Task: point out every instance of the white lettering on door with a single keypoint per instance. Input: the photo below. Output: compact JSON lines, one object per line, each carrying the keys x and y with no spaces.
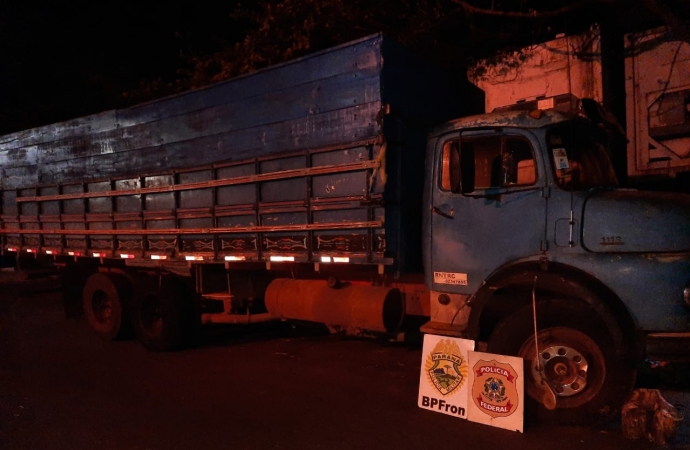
{"x":450,"y":278}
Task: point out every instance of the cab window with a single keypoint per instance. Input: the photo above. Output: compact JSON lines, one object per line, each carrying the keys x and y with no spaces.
{"x":498,"y":162}
{"x":579,"y":159}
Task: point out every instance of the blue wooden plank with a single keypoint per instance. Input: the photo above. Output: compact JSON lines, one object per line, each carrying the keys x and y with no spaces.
{"x":321,"y":97}
{"x":14,"y":177}
{"x":354,"y":56}
{"x":319,"y":130}
{"x":94,"y":123}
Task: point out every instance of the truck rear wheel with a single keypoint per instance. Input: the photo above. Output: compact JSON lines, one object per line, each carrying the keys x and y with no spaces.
{"x":576,"y":358}
{"x":161,"y":313}
{"x":105,"y":300}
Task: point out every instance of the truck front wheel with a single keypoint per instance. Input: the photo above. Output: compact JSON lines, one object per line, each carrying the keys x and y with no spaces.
{"x":576,"y":359}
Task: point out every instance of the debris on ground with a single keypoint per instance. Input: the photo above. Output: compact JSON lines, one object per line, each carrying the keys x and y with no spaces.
{"x":648,"y":415}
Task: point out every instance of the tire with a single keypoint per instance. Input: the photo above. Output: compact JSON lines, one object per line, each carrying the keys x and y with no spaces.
{"x":161,"y":313}
{"x":578,"y":358}
{"x":105,"y":299}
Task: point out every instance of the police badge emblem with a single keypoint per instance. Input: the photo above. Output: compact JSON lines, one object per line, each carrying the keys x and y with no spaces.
{"x":494,"y":390}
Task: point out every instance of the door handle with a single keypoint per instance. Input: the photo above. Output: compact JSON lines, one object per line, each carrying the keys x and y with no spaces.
{"x":442,"y":213}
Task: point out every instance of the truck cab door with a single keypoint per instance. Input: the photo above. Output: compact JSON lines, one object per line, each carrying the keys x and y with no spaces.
{"x":488,"y":206}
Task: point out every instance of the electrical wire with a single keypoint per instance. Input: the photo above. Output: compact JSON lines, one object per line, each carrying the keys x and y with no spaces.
{"x":668,"y":79}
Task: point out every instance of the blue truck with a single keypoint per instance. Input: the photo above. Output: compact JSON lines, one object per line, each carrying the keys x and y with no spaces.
{"x":352,"y":188}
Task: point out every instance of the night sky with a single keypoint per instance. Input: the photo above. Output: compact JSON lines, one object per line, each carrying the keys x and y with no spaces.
{"x":64,"y":60}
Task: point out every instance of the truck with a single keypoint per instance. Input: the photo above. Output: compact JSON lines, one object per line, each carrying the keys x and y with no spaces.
{"x":351,"y":188}
{"x":656,"y":84}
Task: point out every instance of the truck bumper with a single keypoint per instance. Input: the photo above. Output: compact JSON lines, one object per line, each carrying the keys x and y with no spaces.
{"x":668,"y":346}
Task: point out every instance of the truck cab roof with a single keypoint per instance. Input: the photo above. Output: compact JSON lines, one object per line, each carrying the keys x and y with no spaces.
{"x":517,"y":119}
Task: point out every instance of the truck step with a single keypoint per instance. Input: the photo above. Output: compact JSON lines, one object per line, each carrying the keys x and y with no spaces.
{"x":237,"y":319}
{"x":443,"y":329}
{"x":217,"y":296}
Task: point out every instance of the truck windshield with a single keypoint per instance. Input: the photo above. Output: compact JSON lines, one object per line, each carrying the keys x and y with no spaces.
{"x":579,"y":160}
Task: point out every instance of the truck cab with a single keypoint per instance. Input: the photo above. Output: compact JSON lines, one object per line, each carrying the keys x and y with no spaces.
{"x":527,"y":233}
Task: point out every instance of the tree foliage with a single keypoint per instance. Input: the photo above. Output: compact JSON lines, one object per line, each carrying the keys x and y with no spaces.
{"x":288,"y":29}
{"x":448,"y":31}
{"x":185,"y":47}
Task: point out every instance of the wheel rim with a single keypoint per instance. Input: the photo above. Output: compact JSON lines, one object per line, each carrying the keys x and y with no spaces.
{"x":564,"y":368}
{"x":102,"y":307}
{"x":569,"y":361}
{"x":151,"y":314}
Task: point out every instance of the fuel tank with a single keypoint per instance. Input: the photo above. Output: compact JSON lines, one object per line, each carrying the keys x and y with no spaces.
{"x":373,"y":308}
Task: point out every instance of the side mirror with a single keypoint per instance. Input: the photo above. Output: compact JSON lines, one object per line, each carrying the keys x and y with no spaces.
{"x":467,"y":168}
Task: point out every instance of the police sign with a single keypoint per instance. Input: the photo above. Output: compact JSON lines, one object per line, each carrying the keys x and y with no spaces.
{"x":443,"y":377}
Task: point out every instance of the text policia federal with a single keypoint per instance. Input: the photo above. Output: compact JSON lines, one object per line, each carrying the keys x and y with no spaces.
{"x":442,"y":405}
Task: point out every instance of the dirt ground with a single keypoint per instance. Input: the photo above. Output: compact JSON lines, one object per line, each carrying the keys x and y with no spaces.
{"x":271,"y":388}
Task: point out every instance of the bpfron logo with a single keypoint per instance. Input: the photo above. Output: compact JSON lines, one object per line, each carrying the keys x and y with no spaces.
{"x":446,"y":367}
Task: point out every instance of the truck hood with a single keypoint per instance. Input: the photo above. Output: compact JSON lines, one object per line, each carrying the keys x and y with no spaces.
{"x":628,"y":221}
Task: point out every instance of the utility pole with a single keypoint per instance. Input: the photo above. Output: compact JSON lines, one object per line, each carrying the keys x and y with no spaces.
{"x":613,"y":79}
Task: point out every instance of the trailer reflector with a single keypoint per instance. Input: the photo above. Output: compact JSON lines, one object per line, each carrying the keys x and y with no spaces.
{"x":11,"y":249}
{"x":194,"y":258}
{"x":282,"y":258}
{"x":126,"y":256}
{"x":159,"y":257}
{"x":337,"y":259}
{"x":49,"y":252}
{"x":98,"y":255}
{"x":235,"y":258}
{"x":30,"y":250}
{"x":74,"y":253}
